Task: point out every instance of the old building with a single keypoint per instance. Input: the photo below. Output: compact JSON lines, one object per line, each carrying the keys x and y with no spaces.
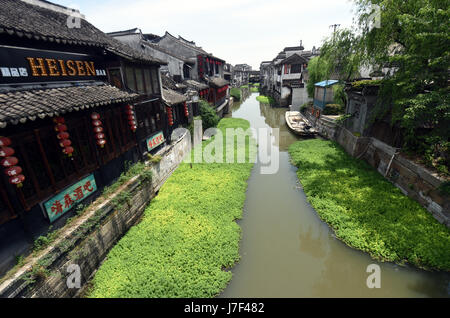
{"x":75,"y":106}
{"x":284,"y":77}
{"x":241,"y":74}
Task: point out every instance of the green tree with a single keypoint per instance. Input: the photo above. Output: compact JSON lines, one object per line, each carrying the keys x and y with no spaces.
{"x":208,"y":115}
{"x":317,"y":71}
{"x":413,"y":40}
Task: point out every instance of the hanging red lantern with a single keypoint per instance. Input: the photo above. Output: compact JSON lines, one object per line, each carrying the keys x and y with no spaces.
{"x":17,"y":180}
{"x":68,"y":151}
{"x":101,"y":142}
{"x":62,"y":135}
{"x":9,"y":161}
{"x":6,"y":152}
{"x":60,"y":127}
{"x":4,"y":141}
{"x":98,"y":129}
{"x":186,"y":110}
{"x":65,"y":143}
{"x":59,"y":120}
{"x":13,"y":171}
{"x":131,"y":117}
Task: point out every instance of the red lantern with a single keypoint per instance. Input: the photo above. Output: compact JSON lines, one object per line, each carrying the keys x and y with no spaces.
{"x":60,"y":127}
{"x":4,"y":141}
{"x":62,"y":135}
{"x":129,"y":107}
{"x":95,"y":116}
{"x":59,"y":120}
{"x":96,"y":123}
{"x":6,"y":152}
{"x":68,"y":151}
{"x":17,"y":180}
{"x":98,"y":129}
{"x":101,"y":142}
{"x":13,"y":171}
{"x":65,"y":143}
{"x":9,"y":161}
{"x":100,"y":136}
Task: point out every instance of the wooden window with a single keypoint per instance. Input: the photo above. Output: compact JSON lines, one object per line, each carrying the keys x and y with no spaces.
{"x":115,"y":77}
{"x":148,"y":82}
{"x":139,"y":80}
{"x":296,"y":68}
{"x":155,"y":80}
{"x":131,"y":82}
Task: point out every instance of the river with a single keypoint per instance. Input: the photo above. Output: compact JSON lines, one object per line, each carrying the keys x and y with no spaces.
{"x":287,"y":251}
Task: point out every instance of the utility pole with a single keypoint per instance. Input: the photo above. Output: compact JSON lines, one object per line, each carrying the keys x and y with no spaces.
{"x":334,"y":26}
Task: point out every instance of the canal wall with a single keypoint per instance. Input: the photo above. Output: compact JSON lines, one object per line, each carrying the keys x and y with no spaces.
{"x":83,"y":245}
{"x":412,"y":179}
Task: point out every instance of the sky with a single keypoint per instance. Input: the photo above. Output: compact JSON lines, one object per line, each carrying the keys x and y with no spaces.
{"x":237,"y":31}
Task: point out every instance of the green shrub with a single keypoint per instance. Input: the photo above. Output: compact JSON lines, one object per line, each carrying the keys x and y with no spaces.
{"x":188,"y":234}
{"x":265,"y":99}
{"x":208,"y":115}
{"x":236,"y":93}
{"x":333,"y":109}
{"x":365,"y":210}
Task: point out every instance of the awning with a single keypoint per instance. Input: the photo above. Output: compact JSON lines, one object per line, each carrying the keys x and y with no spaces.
{"x":171,"y":97}
{"x":20,"y":106}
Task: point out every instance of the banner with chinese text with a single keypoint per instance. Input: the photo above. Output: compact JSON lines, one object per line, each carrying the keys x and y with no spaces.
{"x":155,"y":140}
{"x":69,"y":197}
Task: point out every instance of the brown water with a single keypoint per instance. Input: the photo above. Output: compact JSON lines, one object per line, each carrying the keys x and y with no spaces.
{"x":287,"y":251}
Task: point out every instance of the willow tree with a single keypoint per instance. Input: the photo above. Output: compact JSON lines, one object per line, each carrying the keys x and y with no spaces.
{"x":412,"y":39}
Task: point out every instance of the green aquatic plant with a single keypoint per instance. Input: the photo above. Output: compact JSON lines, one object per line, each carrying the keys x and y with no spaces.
{"x":188,"y":234}
{"x":365,"y":210}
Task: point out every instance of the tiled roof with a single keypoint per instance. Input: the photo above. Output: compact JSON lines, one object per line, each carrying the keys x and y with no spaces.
{"x":195,"y":85}
{"x":20,"y":106}
{"x":168,"y":82}
{"x":171,"y":97}
{"x":217,"y":82}
{"x":29,"y":21}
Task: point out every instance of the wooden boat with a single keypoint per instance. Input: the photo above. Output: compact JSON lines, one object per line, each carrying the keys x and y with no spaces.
{"x":299,"y":124}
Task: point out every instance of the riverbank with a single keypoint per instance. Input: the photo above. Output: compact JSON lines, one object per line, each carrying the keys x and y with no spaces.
{"x":365,"y":210}
{"x":187,"y":237}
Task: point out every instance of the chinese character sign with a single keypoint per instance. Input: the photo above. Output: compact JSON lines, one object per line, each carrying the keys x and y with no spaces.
{"x":155,"y":141}
{"x":71,"y":196}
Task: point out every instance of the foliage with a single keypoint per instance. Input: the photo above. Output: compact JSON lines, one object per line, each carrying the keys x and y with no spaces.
{"x":254,"y":89}
{"x":244,"y":86}
{"x":342,"y":55}
{"x":236,"y":93}
{"x":187,"y":236}
{"x":365,"y":210}
{"x":317,"y":72}
{"x":333,"y":109}
{"x":208,"y":115}
{"x":154,"y":159}
{"x":305,"y":106}
{"x":412,"y":46}
{"x":364,"y":83}
{"x":265,"y":99}
{"x":339,"y":95}
{"x":43,"y":241}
